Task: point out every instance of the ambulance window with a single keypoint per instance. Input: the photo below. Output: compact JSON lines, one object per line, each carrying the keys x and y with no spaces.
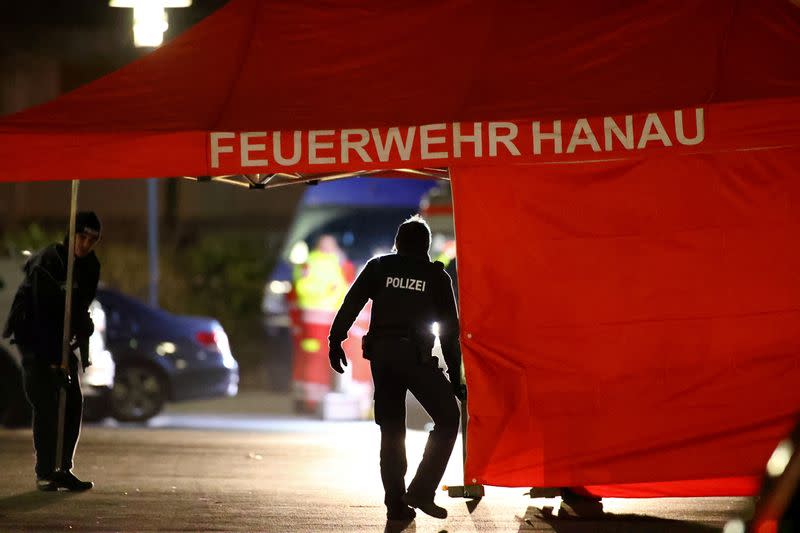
{"x":364,"y":232}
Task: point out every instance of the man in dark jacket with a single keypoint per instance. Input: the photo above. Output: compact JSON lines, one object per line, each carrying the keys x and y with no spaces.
{"x":409,"y":294}
{"x":37,"y":323}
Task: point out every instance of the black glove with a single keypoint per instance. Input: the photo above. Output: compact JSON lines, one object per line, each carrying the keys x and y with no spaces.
{"x":460,"y":391}
{"x":83,"y":347}
{"x":83,"y":351}
{"x":337,"y":357}
{"x":59,"y":376}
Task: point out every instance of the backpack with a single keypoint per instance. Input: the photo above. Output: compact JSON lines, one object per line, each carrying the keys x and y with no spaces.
{"x":18,"y":322}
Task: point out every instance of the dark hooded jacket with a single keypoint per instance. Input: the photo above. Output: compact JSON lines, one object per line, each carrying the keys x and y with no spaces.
{"x":409,"y":293}
{"x":36,"y":319}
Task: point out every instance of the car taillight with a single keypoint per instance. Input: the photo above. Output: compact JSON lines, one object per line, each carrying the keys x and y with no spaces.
{"x":206,"y":339}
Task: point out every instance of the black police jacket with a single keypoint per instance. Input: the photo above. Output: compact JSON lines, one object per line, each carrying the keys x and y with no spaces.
{"x":37,"y":318}
{"x":409,"y":293}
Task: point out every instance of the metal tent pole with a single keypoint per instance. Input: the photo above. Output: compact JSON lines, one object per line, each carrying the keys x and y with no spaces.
{"x":62,"y":393}
{"x":471,"y":489}
{"x":152,"y":241}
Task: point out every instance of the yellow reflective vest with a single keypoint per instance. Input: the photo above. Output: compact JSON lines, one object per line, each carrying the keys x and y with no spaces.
{"x":320,"y":282}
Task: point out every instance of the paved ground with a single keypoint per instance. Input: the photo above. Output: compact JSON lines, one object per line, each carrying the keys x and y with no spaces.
{"x":250,"y":468}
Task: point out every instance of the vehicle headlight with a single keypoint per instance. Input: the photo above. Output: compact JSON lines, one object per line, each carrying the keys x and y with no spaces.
{"x":101,"y":372}
{"x":299,"y":253}
{"x":280,"y":287}
{"x":224,"y":347}
{"x":97,"y":341}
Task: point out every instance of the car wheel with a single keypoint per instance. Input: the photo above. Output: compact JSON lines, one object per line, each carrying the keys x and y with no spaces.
{"x":139,"y":394}
{"x":95,"y":408}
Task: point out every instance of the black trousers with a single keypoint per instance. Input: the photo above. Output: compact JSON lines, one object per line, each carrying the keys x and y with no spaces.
{"x":42,"y":391}
{"x":396,"y":368}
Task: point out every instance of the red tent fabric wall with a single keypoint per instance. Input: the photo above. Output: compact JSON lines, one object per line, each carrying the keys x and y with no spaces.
{"x":630,"y":321}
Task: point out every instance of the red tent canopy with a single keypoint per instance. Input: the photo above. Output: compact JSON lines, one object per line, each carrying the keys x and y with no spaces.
{"x":629,"y":319}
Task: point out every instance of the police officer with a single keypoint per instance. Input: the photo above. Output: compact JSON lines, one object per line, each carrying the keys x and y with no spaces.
{"x":36,"y":322}
{"x":409,"y":294}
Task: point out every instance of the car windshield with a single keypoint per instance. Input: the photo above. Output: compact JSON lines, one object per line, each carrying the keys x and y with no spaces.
{"x":112,"y":298}
{"x":361,"y":232}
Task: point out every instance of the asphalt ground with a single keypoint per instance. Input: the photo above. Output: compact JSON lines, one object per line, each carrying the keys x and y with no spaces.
{"x":247,"y":465}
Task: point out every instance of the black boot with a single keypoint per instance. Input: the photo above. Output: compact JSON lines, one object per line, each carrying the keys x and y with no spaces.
{"x":67,"y":480}
{"x":426,"y":506}
{"x":580,"y":505}
{"x":570,"y":495}
{"x":46,"y":484}
{"x":403,"y":513}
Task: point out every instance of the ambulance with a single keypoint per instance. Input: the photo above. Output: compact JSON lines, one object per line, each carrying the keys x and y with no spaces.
{"x":361,"y":215}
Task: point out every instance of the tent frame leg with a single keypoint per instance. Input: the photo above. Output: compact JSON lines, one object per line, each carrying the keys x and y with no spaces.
{"x":474,"y":491}
{"x":65,"y":344}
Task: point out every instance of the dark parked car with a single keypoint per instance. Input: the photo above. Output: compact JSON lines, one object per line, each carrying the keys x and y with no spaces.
{"x":163,"y":357}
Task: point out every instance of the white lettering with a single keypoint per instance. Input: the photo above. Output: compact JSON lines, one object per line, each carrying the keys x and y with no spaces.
{"x":582,"y":129}
{"x":246,"y":148}
{"x":393,"y":138}
{"x":652,"y":121}
{"x":699,"y":124}
{"x":314,"y":145}
{"x":358,"y":145}
{"x":397,"y":145}
{"x":609,"y":126}
{"x":405,"y":283}
{"x":475,"y":138}
{"x":216,"y":149}
{"x":506,"y":139}
{"x":297,"y":152}
{"x":426,"y":140}
{"x":538,"y":137}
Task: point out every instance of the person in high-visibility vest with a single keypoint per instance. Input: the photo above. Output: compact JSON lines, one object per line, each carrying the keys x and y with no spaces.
{"x":320,"y":284}
{"x":320,"y":281}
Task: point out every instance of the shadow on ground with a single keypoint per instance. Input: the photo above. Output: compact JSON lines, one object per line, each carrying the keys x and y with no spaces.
{"x":400,"y":526}
{"x":30,"y":501}
{"x":535,"y":517}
